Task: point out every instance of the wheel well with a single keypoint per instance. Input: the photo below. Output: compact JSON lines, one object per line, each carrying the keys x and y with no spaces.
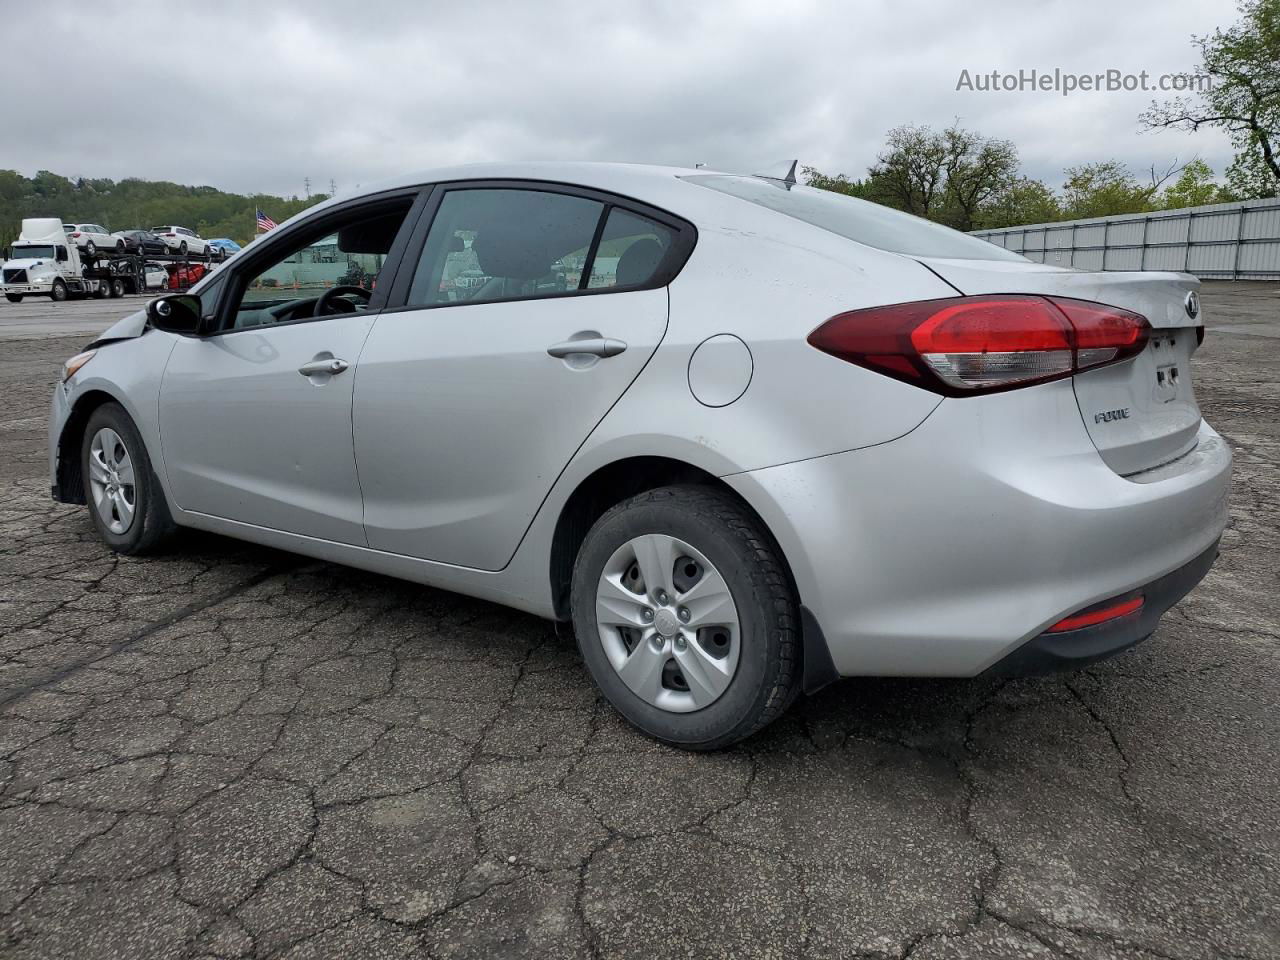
{"x":70,"y":480}
{"x":611,"y":485}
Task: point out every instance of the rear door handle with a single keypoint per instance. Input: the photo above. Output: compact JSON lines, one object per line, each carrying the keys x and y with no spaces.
{"x":331,"y":366}
{"x":596,"y":346}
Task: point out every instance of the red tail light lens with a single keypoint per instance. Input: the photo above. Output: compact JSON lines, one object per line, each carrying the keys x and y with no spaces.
{"x":966,"y":345}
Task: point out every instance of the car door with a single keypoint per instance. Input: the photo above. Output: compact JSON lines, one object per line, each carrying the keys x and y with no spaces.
{"x":528,"y":314}
{"x":255,"y":418}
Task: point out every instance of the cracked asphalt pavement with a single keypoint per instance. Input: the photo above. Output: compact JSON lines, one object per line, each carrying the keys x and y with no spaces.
{"x":232,"y":752}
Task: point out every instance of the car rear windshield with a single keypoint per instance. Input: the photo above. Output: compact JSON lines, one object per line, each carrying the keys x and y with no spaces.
{"x":854,"y":219}
{"x":162,"y":229}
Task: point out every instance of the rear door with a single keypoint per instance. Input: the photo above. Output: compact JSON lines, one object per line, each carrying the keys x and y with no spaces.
{"x":1142,"y":412}
{"x":530,"y":312}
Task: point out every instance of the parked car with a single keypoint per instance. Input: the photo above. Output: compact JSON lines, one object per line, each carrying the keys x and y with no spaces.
{"x":142,"y":242}
{"x":183,"y":275}
{"x":92,"y":237}
{"x":222,"y":247}
{"x":788,"y":436}
{"x":181,"y":240}
{"x":157,"y":277}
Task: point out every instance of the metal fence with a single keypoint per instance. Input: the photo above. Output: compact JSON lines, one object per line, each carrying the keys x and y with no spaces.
{"x":1221,"y":241}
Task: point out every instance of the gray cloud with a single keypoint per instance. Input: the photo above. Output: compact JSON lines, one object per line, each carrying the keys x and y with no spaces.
{"x":256,"y":96}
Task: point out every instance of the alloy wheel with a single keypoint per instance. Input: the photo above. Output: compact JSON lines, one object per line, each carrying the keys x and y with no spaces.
{"x":111,"y":480}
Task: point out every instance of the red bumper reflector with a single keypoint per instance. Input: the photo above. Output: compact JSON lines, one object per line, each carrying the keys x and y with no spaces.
{"x":1102,"y":615}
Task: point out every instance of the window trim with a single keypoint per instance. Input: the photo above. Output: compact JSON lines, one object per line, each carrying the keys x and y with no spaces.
{"x":684,"y":233}
{"x":218,"y":316}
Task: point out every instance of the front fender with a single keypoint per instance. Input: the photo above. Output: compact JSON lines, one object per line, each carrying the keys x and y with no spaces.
{"x":127,"y":372}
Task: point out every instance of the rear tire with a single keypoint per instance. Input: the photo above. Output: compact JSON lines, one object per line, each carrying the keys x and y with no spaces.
{"x":765,"y":676}
{"x":59,"y":291}
{"x":149,"y":525}
{"x":182,"y":249}
{"x":117,"y":289}
{"x":120,"y":246}
{"x":90,"y":248}
{"x":13,"y":297}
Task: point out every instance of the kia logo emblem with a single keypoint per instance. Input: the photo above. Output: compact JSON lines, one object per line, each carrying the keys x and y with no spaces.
{"x":1192,"y":303}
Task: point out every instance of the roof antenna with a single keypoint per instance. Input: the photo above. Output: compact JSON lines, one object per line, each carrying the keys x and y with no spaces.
{"x":790,"y":178}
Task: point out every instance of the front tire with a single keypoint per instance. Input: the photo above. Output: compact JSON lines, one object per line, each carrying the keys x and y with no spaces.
{"x":686,"y":618}
{"x":59,"y":291}
{"x":126,"y":504}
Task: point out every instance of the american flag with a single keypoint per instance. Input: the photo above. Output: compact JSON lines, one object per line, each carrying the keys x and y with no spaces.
{"x":265,"y":222}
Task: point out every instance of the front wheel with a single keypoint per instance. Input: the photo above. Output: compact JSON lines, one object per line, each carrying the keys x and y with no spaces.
{"x":126,"y":504}
{"x":59,"y":291}
{"x":686,"y":618}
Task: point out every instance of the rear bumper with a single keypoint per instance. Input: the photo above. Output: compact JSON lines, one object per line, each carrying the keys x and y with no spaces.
{"x":943,"y":552}
{"x":1072,"y":649}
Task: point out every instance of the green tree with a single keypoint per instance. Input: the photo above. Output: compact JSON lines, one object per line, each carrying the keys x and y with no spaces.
{"x":1107,"y":188}
{"x":1194,"y":188}
{"x":1243,"y":97}
{"x":910,"y":171}
{"x":136,"y":203}
{"x":836,"y":184}
{"x":947,"y":175}
{"x":1249,"y":178}
{"x":977,"y":170}
{"x":1021,"y":202}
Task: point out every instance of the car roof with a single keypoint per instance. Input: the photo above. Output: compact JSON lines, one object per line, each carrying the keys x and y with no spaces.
{"x":654,"y":184}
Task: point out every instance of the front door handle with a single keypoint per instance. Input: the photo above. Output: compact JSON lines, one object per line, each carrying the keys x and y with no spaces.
{"x":596,"y":346}
{"x":331,"y":366}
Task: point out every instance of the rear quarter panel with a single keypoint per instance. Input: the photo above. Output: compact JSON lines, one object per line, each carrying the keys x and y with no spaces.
{"x":770,"y":280}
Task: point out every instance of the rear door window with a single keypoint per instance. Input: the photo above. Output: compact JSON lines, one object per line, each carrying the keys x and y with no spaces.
{"x":630,"y":251}
{"x":504,"y":244}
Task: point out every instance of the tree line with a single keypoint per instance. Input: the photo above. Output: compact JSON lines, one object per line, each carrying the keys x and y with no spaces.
{"x":971,"y":182}
{"x":133,"y":203}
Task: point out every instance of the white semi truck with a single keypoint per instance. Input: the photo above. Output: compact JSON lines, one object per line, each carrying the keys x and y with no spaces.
{"x":43,"y":263}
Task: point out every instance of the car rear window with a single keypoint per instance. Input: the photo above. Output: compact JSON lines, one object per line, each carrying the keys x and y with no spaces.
{"x":854,"y":219}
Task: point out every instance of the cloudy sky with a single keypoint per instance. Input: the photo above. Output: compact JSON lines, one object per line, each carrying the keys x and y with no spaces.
{"x":257,"y":96}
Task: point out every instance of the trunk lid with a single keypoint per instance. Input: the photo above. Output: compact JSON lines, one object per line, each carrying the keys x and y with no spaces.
{"x":1141,"y":412}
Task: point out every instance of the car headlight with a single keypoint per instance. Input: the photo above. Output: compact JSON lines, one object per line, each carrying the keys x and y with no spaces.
{"x":75,"y":363}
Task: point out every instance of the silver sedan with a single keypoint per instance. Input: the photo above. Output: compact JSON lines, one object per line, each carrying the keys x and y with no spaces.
{"x":747,"y":436}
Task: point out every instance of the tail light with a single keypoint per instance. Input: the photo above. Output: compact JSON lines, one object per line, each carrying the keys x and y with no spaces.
{"x":966,"y":345}
{"x":74,"y":235}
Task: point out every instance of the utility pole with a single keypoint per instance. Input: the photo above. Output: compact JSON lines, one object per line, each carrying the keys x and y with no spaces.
{"x":306,"y":185}
{"x":333,"y":187}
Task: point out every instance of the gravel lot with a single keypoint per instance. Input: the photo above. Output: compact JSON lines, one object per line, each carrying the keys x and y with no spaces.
{"x":232,"y":752}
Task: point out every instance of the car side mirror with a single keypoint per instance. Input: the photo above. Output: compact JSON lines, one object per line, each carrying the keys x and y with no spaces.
{"x":62,"y":254}
{"x":179,"y":313}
